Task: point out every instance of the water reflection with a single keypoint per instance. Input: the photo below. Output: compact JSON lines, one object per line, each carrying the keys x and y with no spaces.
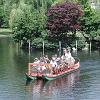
{"x":81,"y":85}
{"x":39,"y":89}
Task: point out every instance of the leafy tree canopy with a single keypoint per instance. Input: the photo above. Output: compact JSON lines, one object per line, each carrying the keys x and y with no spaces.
{"x":63,"y":18}
{"x":27,"y":23}
{"x":90,"y":22}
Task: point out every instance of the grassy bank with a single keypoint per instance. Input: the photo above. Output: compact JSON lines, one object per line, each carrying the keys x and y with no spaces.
{"x":5,"y":32}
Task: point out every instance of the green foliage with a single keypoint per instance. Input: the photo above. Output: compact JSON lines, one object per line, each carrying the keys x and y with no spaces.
{"x":27,"y":23}
{"x":63,"y":1}
{"x":86,"y":20}
{"x":96,"y":21}
{"x":7,"y":6}
{"x":6,"y":12}
{"x":21,"y":22}
{"x":83,"y":2}
{"x":27,"y":19}
{"x":1,"y":16}
{"x":81,"y":43}
{"x":90,"y":22}
{"x":38,"y":43}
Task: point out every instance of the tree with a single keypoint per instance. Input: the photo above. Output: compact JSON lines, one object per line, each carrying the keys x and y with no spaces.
{"x":26,"y":23}
{"x":5,"y":8}
{"x":90,"y":21}
{"x":21,"y":22}
{"x":95,"y":32}
{"x":63,"y":18}
{"x":1,"y":16}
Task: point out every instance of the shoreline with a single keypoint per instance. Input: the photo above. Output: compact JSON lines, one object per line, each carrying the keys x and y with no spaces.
{"x":1,"y":35}
{"x":5,"y":32}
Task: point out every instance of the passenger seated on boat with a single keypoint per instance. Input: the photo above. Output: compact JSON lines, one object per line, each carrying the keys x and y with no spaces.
{"x":42,"y":61}
{"x":53,"y":63}
{"x":58,"y":60}
{"x":68,"y":57}
{"x":36,"y":68}
{"x":65,"y":66}
{"x":46,"y":58}
{"x":67,"y":53}
{"x":63,"y":59}
{"x":55,"y":56}
{"x":43,"y":66}
{"x":36,"y":61}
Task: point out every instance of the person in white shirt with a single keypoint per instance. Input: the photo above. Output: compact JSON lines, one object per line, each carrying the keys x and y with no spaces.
{"x":36,"y":61}
{"x":53,"y":62}
{"x":68,"y":57}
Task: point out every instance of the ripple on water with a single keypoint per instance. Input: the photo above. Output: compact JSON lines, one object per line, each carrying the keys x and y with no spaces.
{"x":81,"y":85}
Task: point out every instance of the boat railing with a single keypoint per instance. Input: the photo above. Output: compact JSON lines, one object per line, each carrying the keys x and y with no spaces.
{"x":38,"y":67}
{"x":47,"y":67}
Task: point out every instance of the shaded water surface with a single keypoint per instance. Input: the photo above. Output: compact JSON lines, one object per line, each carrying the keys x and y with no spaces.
{"x":84,"y":84}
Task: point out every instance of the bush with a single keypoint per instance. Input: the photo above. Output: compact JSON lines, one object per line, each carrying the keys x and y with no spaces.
{"x":38,"y":43}
{"x":27,"y":24}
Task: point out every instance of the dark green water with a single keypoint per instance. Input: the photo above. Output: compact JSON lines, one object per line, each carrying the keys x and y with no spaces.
{"x":83,"y":84}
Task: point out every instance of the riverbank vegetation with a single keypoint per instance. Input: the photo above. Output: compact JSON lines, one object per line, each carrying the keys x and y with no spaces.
{"x":51,"y":21}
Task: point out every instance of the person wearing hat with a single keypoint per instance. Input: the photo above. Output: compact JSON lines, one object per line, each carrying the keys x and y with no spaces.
{"x":54,"y":64}
{"x":68,"y":57}
{"x":36,"y":61}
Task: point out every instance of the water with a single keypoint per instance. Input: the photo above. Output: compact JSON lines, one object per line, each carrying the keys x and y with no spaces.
{"x":83,"y":84}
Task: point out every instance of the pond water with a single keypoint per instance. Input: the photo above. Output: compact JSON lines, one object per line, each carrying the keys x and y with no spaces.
{"x":83,"y":84}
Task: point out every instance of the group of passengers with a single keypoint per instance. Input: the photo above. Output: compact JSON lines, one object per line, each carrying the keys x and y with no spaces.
{"x":58,"y":63}
{"x":42,"y":60}
{"x":64,"y":62}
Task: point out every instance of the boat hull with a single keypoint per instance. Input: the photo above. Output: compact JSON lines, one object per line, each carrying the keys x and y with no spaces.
{"x":49,"y":78}
{"x":29,"y":77}
{"x":52,"y":76}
